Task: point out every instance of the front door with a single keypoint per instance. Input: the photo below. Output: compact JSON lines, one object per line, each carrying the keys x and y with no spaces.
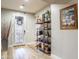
{"x":19,"y":29}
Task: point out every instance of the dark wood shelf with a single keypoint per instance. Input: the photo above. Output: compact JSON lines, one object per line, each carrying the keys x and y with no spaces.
{"x":39,"y":23}
{"x":44,"y":43}
{"x":44,"y":51}
{"x":47,"y":29}
{"x":47,"y":21}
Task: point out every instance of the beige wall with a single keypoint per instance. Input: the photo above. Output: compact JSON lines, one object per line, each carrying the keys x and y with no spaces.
{"x":64,"y":42}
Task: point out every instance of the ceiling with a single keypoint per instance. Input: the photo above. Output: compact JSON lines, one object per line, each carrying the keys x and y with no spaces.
{"x":32,"y":6}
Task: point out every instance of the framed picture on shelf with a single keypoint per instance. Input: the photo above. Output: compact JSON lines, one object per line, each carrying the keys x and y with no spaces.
{"x":49,"y":33}
{"x":49,"y":40}
{"x":45,"y":25}
{"x":46,"y":17}
{"x":49,"y":25}
{"x":69,"y":18}
{"x":45,"y":32}
{"x":39,"y":20}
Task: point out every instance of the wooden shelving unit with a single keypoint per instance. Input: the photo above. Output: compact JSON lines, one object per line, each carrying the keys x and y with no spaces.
{"x":44,"y":33}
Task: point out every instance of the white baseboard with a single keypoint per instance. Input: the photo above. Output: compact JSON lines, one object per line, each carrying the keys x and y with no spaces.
{"x":55,"y":57}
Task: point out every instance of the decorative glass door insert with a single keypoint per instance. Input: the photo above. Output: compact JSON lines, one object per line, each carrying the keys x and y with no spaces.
{"x":19,"y":31}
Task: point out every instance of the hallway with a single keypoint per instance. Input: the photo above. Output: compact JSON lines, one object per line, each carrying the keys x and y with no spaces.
{"x":39,"y":29}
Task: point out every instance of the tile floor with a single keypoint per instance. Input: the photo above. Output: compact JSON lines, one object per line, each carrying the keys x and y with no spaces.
{"x":36,"y":54}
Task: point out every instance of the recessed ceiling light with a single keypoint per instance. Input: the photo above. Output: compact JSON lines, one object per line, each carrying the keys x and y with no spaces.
{"x":26,"y":0}
{"x":22,"y":6}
